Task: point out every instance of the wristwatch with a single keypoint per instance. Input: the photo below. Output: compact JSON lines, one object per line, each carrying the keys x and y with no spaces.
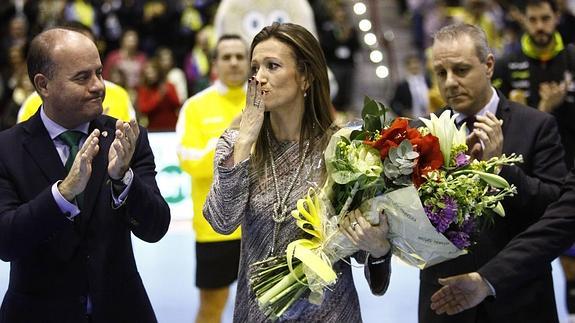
{"x":125,"y":180}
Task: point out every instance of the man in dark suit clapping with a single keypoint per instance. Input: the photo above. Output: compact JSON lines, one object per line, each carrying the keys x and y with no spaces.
{"x":74,"y":186}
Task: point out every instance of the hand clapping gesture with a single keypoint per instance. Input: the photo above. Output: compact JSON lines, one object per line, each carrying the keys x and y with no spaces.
{"x":487,"y":131}
{"x":81,"y":169}
{"x":552,"y":95}
{"x":122,"y":148}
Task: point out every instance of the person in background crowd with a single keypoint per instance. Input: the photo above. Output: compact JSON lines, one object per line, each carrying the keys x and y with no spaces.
{"x":463,"y":65}
{"x":17,"y":35}
{"x":108,"y":15}
{"x":264,"y":165}
{"x":542,"y":73}
{"x":83,"y":12}
{"x":203,"y":118}
{"x":74,"y":186}
{"x":340,"y":42}
{"x":127,"y":58}
{"x":157,"y":99}
{"x":197,"y":64}
{"x":174,"y":74}
{"x":411,"y":98}
{"x":18,"y":87}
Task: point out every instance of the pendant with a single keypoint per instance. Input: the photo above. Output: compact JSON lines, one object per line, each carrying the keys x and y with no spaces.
{"x":279,"y":211}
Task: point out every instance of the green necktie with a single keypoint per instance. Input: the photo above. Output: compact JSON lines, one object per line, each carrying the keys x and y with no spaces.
{"x":72,"y":139}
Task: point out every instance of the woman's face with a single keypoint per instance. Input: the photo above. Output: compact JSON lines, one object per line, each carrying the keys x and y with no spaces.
{"x":274,"y":66}
{"x":130,"y":40}
{"x":151,"y":73}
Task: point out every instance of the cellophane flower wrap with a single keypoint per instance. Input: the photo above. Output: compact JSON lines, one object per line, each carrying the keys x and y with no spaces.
{"x":434,"y":196}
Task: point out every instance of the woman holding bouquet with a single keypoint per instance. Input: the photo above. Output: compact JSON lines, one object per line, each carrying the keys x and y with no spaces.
{"x":271,"y":160}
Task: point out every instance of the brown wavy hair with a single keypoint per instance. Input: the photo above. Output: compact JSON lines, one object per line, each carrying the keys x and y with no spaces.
{"x":310,"y":60}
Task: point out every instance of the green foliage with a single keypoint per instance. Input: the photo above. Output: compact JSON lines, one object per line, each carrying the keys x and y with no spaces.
{"x":373,"y":114}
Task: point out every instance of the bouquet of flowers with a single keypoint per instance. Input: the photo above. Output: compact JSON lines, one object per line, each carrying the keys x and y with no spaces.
{"x":434,"y":196}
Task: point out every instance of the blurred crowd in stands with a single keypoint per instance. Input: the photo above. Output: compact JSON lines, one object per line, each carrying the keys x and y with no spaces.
{"x":160,"y":51}
{"x":502,"y":20}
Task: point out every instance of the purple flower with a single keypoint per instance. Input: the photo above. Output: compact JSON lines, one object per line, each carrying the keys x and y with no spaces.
{"x":461,"y":159}
{"x":460,"y":235}
{"x":460,"y":239}
{"x":468,"y":226}
{"x":442,"y":218}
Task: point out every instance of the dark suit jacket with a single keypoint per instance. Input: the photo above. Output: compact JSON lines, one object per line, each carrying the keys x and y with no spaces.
{"x":531,"y":251}
{"x":54,"y":262}
{"x":534,"y":135}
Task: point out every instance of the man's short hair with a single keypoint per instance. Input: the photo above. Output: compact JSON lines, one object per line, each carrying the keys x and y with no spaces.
{"x":227,"y":37}
{"x":38,"y":59}
{"x":456,"y":31}
{"x":537,"y":3}
{"x":79,"y":27}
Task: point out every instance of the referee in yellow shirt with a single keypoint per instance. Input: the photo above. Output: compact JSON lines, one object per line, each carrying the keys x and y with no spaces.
{"x":203,"y":118}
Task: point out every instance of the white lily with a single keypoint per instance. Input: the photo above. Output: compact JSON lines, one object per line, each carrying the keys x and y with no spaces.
{"x":446,"y":131}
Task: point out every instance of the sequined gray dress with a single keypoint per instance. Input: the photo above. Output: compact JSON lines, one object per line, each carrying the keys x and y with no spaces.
{"x":238,"y":197}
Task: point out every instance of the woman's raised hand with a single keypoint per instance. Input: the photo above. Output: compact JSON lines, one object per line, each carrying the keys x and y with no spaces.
{"x":251,"y":122}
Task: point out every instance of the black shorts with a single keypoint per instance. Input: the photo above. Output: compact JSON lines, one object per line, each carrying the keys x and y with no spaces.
{"x":217,"y":263}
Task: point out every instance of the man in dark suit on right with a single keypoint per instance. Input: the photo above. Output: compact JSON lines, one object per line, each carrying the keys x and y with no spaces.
{"x":463,"y":65}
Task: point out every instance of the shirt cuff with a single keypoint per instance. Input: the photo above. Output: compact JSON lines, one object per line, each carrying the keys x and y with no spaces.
{"x":70,"y":209}
{"x":491,"y":288}
{"x":119,"y":200}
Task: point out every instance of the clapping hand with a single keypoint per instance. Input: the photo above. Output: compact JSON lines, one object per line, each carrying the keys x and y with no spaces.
{"x":489,"y":132}
{"x":459,"y":293}
{"x":81,"y":170}
{"x":122,"y":149}
{"x":371,"y":238}
{"x":552,"y":95}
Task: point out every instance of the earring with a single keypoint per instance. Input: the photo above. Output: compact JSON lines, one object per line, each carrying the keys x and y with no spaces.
{"x":304,"y":94}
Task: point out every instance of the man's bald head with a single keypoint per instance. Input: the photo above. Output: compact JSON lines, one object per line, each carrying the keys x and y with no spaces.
{"x":39,"y":59}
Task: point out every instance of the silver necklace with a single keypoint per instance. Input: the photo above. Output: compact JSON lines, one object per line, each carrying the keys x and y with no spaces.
{"x":280,"y":211}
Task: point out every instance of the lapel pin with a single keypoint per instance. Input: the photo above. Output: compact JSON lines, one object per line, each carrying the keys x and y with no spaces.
{"x":105,"y":134}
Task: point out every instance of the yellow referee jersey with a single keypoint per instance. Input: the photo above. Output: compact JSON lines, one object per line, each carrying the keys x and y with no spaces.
{"x":203,"y":118}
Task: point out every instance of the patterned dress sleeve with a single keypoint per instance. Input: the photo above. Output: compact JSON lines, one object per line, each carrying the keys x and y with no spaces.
{"x":228,"y":198}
